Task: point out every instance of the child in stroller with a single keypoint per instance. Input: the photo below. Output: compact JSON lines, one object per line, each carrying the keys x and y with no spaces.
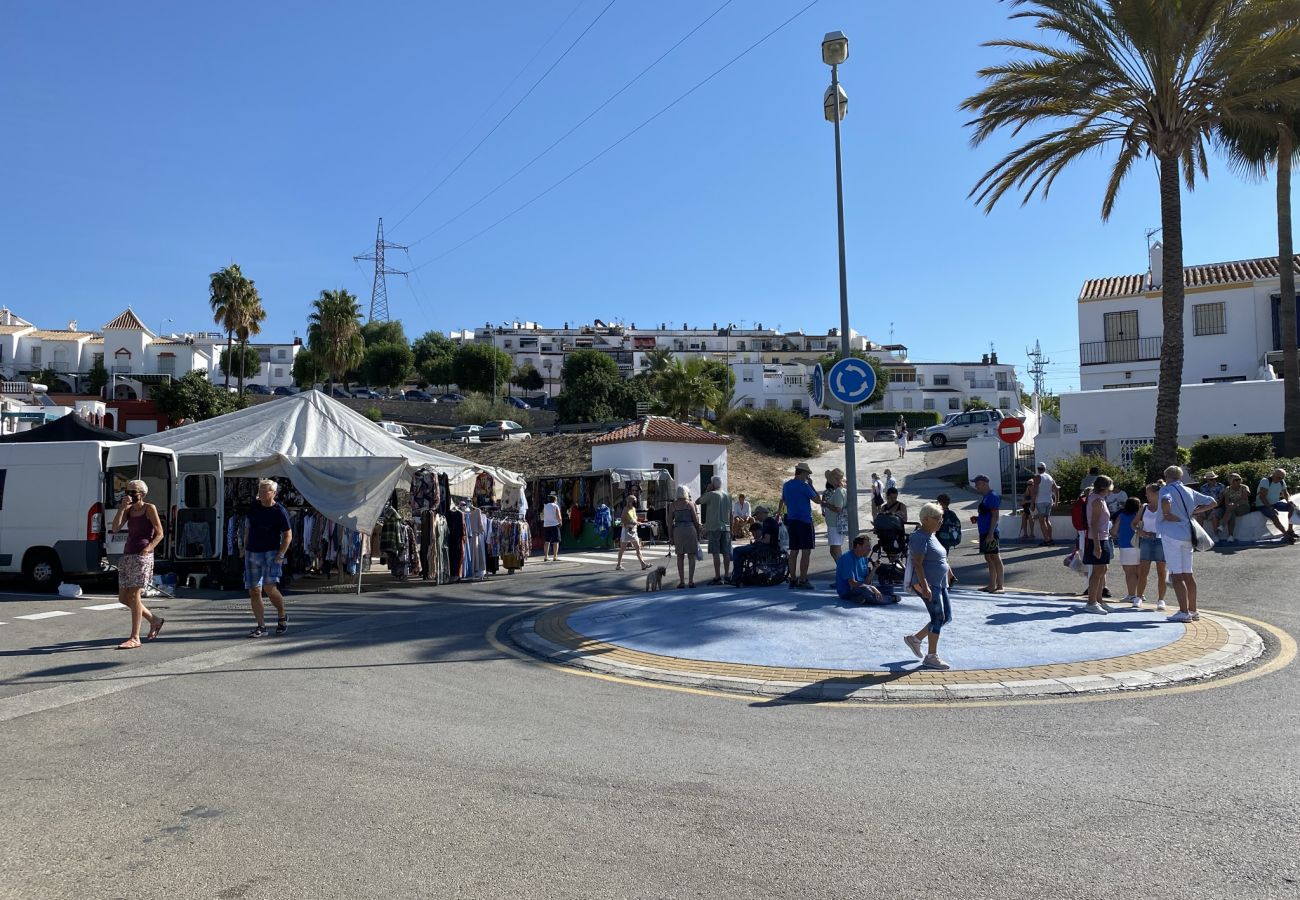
{"x":888,"y":557}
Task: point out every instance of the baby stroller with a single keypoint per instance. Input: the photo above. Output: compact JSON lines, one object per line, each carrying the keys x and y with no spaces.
{"x":763,"y":567}
{"x":890,"y":553}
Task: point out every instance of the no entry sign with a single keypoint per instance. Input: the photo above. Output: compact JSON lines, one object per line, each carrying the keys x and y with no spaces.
{"x":1011,"y":430}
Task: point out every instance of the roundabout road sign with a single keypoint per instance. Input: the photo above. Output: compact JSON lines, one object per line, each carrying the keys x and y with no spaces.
{"x":818,"y":385}
{"x":852,"y":381}
{"x":1011,"y":430}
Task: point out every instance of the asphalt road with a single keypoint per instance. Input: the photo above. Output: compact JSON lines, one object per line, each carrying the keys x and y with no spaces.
{"x":387,"y":748}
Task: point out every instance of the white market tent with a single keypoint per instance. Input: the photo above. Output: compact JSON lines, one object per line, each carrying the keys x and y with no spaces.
{"x":342,"y":463}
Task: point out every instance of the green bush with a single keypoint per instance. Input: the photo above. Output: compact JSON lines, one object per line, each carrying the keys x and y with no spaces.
{"x":1142,"y":458}
{"x":1253,"y":471}
{"x":373,"y":414}
{"x":477,"y":409}
{"x":784,"y":432}
{"x":1069,"y":472}
{"x":1225,"y":449}
{"x":734,"y":421}
{"x":914,"y":419}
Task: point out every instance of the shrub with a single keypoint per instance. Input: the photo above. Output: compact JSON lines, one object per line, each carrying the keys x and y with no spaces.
{"x":1069,"y":472}
{"x":477,"y":409}
{"x":734,"y":421}
{"x":1253,"y":471}
{"x":373,"y":414}
{"x":1225,"y":449}
{"x":782,"y":431}
{"x":1142,"y":459}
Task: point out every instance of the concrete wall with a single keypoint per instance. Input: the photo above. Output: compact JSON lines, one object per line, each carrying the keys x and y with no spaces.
{"x":686,"y":459}
{"x":429,"y":413}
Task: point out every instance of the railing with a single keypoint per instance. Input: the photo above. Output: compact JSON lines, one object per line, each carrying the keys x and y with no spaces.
{"x":1094,"y":353}
{"x":981,"y":383}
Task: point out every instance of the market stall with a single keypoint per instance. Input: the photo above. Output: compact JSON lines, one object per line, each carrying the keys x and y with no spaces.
{"x":590,"y":503}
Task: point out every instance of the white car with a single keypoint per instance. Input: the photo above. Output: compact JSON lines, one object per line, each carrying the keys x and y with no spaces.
{"x":857,"y":437}
{"x":503,"y":430}
{"x":395,"y":429}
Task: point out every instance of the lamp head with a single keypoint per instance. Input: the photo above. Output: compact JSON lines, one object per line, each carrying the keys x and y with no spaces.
{"x":835,"y":48}
{"x":828,"y":103}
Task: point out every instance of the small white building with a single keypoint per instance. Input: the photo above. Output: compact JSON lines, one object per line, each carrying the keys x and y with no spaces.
{"x":690,"y":454}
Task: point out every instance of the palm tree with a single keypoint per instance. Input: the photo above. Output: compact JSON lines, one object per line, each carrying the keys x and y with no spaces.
{"x":228,"y":291}
{"x":334,"y":332}
{"x":248,"y":321}
{"x":657,"y":361}
{"x":1252,"y":148}
{"x":1154,"y":77}
{"x":685,"y":388}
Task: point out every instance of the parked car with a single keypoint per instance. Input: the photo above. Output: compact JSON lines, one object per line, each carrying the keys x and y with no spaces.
{"x":884,"y":434}
{"x":466,"y":434}
{"x":366,"y":394}
{"x":285,"y":391}
{"x":961,"y":427}
{"x":395,"y":429}
{"x":453,"y":397}
{"x":857,"y":437}
{"x":421,"y":396}
{"x":503,"y":430}
{"x":260,"y":390}
{"x":516,"y":403}
{"x":340,"y":393}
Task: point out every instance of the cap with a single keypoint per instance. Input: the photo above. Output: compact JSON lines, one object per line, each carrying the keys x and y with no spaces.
{"x":803,"y":467}
{"x":761,"y":511}
{"x":978,"y":478}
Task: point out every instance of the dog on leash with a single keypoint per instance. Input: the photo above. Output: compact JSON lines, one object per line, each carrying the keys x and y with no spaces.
{"x":654,"y":579}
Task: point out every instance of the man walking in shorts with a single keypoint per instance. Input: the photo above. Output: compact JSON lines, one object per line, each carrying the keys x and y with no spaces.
{"x":715,"y":505}
{"x":797,"y":496}
{"x":267,"y":536}
{"x":1045,"y":494}
{"x":986,"y":522}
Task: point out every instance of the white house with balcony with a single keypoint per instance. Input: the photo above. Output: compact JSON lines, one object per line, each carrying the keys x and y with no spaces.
{"x":942,"y":387}
{"x":1232,"y":338}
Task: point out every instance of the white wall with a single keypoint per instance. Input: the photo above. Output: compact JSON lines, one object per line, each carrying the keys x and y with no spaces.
{"x":686,"y":459}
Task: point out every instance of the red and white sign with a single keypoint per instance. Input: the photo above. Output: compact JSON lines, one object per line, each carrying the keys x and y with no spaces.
{"x":1011,"y":430}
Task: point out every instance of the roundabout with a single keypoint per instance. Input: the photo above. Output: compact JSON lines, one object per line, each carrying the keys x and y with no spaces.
{"x":810,"y":645}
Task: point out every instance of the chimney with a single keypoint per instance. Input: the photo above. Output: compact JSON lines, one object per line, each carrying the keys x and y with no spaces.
{"x":297,"y":341}
{"x":1155,"y":275}
{"x":984,"y":360}
{"x":6,"y":317}
{"x":993,"y":358}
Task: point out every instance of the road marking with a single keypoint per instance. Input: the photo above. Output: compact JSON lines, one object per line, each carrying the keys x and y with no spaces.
{"x":46,"y":615}
{"x":586,"y":558}
{"x":106,"y":606}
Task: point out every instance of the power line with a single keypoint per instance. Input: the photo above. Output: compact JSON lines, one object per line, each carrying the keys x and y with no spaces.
{"x":379,"y":293}
{"x":584,"y":121}
{"x":509,"y":112}
{"x":629,"y":134}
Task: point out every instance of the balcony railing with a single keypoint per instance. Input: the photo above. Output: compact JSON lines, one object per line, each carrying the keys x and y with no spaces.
{"x":987,"y":384}
{"x":1093,"y":353}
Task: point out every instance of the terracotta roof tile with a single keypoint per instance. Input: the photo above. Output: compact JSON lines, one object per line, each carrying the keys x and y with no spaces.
{"x":46,"y":335}
{"x":1236,"y":272}
{"x":127,"y":319}
{"x":661,"y":428}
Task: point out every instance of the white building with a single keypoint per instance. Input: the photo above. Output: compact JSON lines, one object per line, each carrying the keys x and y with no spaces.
{"x":276,"y":369}
{"x":691,"y":455}
{"x":1232,"y":334}
{"x":942,"y":387}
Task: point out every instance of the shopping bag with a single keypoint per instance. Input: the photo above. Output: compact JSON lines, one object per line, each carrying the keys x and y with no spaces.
{"x":1201,"y":539}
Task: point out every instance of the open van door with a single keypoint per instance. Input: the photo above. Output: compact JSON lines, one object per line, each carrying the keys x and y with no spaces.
{"x":200,"y":513}
{"x":121,"y":464}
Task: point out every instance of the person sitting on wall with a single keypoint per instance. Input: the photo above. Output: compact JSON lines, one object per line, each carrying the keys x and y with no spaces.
{"x":1274,"y":498}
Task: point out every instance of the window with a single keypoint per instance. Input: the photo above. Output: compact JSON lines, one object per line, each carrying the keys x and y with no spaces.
{"x":508,"y":344}
{"x":748,"y":376}
{"x":1209,"y":318}
{"x":749,"y":403}
{"x":954,"y":403}
{"x":1121,"y":336}
{"x":907,"y":402}
{"x":920,"y":380}
{"x":166,"y":364}
{"x":770,"y":403}
{"x":927,"y":403}
{"x":1223,"y":379}
{"x":796,"y":403}
{"x":200,"y":491}
{"x":908,"y":377}
{"x":1127,"y":384}
{"x":281,"y":353}
{"x":941,"y":381}
{"x":1004,"y":403}
{"x":1093,"y":448}
{"x":97,"y":359}
{"x":279,"y":372}
{"x":968,"y":375}
{"x":36,"y":356}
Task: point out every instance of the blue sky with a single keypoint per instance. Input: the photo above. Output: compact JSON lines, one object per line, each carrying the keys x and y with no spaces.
{"x":149,"y":144}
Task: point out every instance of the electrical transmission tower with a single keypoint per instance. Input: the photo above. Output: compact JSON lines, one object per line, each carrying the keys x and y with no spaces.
{"x":379,"y":293}
{"x":1037,"y":367}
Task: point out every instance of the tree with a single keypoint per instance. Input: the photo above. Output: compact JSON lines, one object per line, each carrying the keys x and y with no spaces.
{"x":306,"y":369}
{"x":686,"y":388}
{"x":1154,"y":78}
{"x":976,"y":403}
{"x":334,"y":332}
{"x":387,"y":364}
{"x":439,"y":370}
{"x":248,"y":322}
{"x":391,"y":332}
{"x":97,"y":377}
{"x":528,"y":378}
{"x":430,"y":345}
{"x":589,"y":398}
{"x":240,"y":362}
{"x":1252,"y":148}
{"x":580,"y":362}
{"x":657,"y":361}
{"x":481,"y":367}
{"x":882,"y":376}
{"x":192,"y":396}
{"x":228,"y":294}
{"x":46,"y":376}
{"x":724,"y":379}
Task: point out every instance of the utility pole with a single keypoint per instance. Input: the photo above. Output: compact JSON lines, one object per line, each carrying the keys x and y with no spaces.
{"x":379,"y":293}
{"x":1037,"y":370}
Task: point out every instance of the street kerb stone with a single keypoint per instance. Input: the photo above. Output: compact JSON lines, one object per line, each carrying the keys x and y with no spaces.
{"x":1207,"y":648}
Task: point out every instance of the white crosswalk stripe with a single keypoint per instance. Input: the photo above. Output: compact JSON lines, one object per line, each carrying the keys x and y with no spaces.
{"x":603,"y":559}
{"x":105,"y":606}
{"x":45,"y":615}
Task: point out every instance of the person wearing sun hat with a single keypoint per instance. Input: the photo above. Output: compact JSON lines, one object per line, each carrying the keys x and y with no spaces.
{"x":797,"y":498}
{"x":835,"y":502}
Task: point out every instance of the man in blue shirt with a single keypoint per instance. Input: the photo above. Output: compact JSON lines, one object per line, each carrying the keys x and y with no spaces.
{"x":986,"y":522}
{"x":853,"y":573}
{"x":797,"y":496}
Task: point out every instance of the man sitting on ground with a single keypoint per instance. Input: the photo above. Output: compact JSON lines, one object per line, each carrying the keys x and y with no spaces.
{"x":1275,"y":498}
{"x":853,"y":574}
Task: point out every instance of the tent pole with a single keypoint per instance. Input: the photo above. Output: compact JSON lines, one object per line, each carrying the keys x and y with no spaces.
{"x":360,"y":569}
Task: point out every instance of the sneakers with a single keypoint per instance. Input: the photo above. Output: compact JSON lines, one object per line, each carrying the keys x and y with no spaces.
{"x":1196,"y":617}
{"x":914,"y":644}
{"x":1160,"y":604}
{"x":1179,"y":617}
{"x":1105,"y":592}
{"x":259,"y":631}
{"x":1096,"y":609}
{"x":933,"y":662}
{"x":1136,"y":601}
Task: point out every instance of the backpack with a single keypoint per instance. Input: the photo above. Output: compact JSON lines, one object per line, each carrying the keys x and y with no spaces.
{"x":950,"y":531}
{"x":1079,"y":514}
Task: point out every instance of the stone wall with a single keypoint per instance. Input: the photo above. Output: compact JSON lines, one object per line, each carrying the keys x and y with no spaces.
{"x":443,"y":414}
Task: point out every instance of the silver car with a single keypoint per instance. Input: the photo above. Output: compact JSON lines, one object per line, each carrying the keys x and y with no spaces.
{"x":961,"y":427}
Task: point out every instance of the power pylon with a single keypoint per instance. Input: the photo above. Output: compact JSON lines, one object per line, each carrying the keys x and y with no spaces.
{"x":1037,"y":367}
{"x":379,"y":293}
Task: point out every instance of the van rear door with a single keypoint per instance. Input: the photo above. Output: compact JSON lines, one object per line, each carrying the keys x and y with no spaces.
{"x":200,"y":512}
{"x":121,"y":464}
{"x":158,"y":472}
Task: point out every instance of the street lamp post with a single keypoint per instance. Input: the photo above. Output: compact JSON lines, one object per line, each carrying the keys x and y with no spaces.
{"x":835,"y":50}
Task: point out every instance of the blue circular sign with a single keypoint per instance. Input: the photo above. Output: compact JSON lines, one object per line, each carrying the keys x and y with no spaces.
{"x":852,"y":381}
{"x":818,"y":385}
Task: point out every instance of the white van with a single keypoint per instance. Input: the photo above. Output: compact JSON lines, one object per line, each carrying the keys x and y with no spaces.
{"x":58,"y":499}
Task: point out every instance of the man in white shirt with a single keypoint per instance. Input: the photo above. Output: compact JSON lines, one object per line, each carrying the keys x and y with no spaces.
{"x":1046,"y":493}
{"x":550,"y":530}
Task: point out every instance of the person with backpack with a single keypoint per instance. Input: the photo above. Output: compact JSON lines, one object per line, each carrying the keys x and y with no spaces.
{"x":949,"y":533}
